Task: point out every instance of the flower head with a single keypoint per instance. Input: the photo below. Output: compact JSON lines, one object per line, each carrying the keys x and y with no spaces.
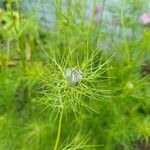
{"x":74,"y":75}
{"x":129,"y":85}
{"x":98,"y":9}
{"x":145,"y":18}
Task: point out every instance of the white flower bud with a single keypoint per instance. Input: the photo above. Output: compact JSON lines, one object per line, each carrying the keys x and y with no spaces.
{"x":129,"y":85}
{"x":74,"y":75}
{"x":37,"y":129}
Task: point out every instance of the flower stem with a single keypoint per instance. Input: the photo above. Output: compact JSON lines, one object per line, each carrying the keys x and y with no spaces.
{"x":59,"y":130}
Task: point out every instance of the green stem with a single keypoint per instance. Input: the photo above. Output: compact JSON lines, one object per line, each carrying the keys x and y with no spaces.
{"x":59,"y":130}
{"x":100,"y":22}
{"x":92,"y":16}
{"x":124,"y":34}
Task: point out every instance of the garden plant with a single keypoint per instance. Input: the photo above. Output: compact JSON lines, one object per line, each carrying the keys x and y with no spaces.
{"x":78,"y":82}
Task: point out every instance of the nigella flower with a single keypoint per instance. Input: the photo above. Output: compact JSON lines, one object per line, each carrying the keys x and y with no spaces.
{"x":74,"y":76}
{"x":98,"y":10}
{"x":37,"y":129}
{"x":145,"y":18}
{"x":129,"y":85}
